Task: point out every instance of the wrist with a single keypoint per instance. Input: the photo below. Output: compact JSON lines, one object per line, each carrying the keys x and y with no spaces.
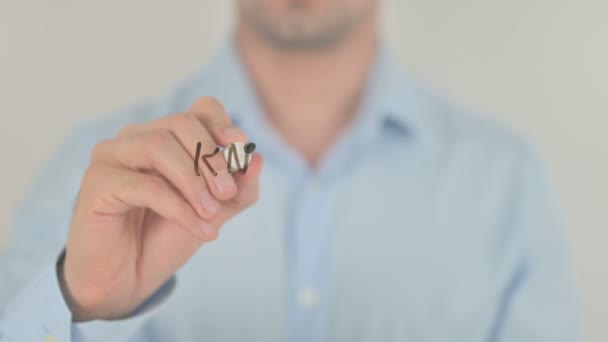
{"x":59,"y":268}
{"x":79,"y":311}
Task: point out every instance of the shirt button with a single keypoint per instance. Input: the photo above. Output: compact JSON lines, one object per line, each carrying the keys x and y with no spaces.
{"x":308,"y":297}
{"x":49,"y":338}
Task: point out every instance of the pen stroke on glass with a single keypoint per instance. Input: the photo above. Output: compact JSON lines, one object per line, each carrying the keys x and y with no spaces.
{"x":237,"y":156}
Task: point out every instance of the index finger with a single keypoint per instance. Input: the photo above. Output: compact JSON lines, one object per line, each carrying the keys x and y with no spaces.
{"x":212,"y":114}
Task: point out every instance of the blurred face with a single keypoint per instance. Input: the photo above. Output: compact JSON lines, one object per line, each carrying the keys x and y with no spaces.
{"x":305,"y":24}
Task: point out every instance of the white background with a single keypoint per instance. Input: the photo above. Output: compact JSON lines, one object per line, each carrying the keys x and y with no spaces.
{"x":540,"y":65}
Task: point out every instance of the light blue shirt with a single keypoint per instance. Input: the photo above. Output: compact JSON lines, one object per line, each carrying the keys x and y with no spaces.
{"x":424,"y":222}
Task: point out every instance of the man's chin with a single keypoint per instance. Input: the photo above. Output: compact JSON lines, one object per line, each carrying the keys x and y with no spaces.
{"x":303,"y":32}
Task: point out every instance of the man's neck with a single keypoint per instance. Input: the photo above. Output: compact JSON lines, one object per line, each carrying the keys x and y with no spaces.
{"x":310,"y":97}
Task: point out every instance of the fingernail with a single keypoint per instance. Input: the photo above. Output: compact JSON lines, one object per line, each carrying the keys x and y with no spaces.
{"x":209,"y":203}
{"x":224,"y":182}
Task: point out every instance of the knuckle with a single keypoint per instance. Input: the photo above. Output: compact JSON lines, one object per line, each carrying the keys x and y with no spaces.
{"x":157,"y":139}
{"x":97,"y":152}
{"x":95,"y":178}
{"x":211,"y":102}
{"x":94,"y":170}
{"x":180,"y":120}
{"x":91,"y":174}
{"x":127,"y":182}
{"x":151,"y":184}
{"x":211,"y":235}
{"x":127,"y":130}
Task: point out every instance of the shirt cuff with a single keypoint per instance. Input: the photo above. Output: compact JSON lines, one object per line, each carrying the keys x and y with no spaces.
{"x":40,"y":313}
{"x":123,"y":329}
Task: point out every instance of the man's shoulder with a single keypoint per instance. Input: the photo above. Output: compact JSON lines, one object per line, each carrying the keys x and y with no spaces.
{"x":459,"y":129}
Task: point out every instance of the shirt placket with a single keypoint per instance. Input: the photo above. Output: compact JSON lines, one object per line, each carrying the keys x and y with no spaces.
{"x":310,"y":228}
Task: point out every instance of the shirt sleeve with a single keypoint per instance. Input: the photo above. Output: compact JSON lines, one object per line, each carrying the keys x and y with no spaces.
{"x":39,"y":313}
{"x":541,"y":304}
{"x":125,"y":329}
{"x":32,"y":307}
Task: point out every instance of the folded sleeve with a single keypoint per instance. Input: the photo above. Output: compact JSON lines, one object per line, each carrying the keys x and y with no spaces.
{"x":125,"y":329}
{"x":32,"y":307}
{"x":40,"y":313}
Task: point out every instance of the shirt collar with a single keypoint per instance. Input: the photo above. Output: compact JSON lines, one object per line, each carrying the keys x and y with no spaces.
{"x":394,"y":99}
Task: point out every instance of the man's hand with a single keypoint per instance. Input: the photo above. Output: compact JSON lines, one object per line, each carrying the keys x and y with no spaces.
{"x":142,"y":211}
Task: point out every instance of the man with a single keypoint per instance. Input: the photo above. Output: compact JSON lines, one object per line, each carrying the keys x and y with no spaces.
{"x":383,"y":213}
